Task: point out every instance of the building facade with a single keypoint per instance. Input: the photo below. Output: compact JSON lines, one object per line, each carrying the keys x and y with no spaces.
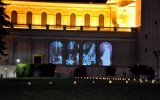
{"x":73,"y":34}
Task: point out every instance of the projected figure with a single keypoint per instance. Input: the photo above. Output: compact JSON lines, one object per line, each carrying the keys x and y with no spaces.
{"x":105,"y":51}
{"x":73,"y":53}
{"x":89,"y":54}
{"x":56,"y":48}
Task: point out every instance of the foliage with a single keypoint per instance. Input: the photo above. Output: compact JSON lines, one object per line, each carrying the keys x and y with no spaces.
{"x":23,"y":70}
{"x":80,"y":72}
{"x":27,"y":70}
{"x":47,"y":70}
{"x":138,"y":70}
{"x":32,"y":69}
{"x":4,"y":21}
{"x":110,"y":71}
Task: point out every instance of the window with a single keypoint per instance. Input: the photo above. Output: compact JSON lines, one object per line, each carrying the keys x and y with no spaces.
{"x":58,"y":19}
{"x":101,"y":20}
{"x":44,"y":18}
{"x":29,"y":18}
{"x":105,"y":50}
{"x":56,"y":51}
{"x":73,"y":53}
{"x":76,"y":55}
{"x":87,"y":20}
{"x":89,"y":53}
{"x":37,"y":60}
{"x":73,"y":20}
{"x":14,"y":17}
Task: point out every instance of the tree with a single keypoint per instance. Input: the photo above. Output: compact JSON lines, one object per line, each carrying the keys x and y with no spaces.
{"x":144,"y":70}
{"x":4,"y":22}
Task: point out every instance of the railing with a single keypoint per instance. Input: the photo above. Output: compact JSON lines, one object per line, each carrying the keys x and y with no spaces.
{"x":81,"y":28}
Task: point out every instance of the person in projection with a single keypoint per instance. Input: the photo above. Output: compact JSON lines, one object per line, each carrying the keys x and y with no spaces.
{"x":106,"y":50}
{"x":73,"y":55}
{"x":56,"y":52}
{"x":89,"y":53}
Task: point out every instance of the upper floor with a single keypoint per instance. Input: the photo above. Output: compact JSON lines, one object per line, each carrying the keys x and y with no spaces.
{"x":88,"y":15}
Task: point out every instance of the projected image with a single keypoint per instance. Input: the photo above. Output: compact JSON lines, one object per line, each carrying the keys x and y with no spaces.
{"x":89,"y":53}
{"x":56,"y":48}
{"x":73,"y":53}
{"x":105,"y":53}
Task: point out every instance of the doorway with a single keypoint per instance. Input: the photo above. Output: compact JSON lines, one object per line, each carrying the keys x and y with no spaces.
{"x":37,"y":60}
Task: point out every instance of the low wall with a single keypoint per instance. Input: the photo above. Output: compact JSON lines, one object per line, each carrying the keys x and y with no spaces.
{"x":8,"y":71}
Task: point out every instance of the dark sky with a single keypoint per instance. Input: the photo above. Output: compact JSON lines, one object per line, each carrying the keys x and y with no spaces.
{"x":83,"y":1}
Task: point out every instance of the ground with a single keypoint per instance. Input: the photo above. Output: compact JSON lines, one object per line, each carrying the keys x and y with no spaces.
{"x":65,"y":89}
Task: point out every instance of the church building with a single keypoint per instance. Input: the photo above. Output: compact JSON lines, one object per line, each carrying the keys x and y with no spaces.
{"x":97,"y":33}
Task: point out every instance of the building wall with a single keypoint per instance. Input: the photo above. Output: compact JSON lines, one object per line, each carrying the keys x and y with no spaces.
{"x":114,"y":14}
{"x":25,"y":44}
{"x":150,"y":32}
{"x":31,"y":42}
{"x":8,"y":71}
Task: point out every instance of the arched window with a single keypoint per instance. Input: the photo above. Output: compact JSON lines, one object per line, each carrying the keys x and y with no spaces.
{"x":73,"y":53}
{"x":72,"y":19}
{"x":44,"y":18}
{"x":56,"y":51}
{"x":29,"y":18}
{"x":89,"y":53}
{"x":14,"y":17}
{"x":87,"y":20}
{"x":105,"y":50}
{"x":58,"y":19}
{"x":101,"y":20}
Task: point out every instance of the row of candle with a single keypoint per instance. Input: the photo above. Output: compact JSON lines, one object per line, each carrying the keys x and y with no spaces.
{"x":110,"y":80}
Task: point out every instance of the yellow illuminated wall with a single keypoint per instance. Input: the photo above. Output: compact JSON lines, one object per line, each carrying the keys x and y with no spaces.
{"x":117,"y":13}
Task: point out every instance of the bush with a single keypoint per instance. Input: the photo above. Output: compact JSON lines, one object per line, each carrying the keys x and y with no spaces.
{"x":80,"y":72}
{"x":47,"y":70}
{"x":22,"y":70}
{"x":110,"y":71}
{"x":32,"y":69}
{"x":27,"y":70}
{"x":143,"y":70}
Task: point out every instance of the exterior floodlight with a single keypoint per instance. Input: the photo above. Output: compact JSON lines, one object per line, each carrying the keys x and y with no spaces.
{"x":110,"y":81}
{"x":50,"y":83}
{"x":75,"y":82}
{"x":18,"y":60}
{"x":153,"y":81}
{"x":29,"y":83}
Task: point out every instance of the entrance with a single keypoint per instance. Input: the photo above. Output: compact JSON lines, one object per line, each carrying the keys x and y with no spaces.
{"x":37,"y":60}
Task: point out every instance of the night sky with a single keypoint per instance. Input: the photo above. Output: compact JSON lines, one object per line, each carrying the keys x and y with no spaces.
{"x":74,"y":1}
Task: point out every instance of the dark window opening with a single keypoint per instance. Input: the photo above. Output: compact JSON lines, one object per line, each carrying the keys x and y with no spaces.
{"x":37,"y":60}
{"x":146,"y":50}
{"x":146,"y":36}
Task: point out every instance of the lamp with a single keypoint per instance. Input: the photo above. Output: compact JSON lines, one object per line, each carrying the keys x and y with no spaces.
{"x":6,"y":61}
{"x":157,"y":54}
{"x":92,"y":63}
{"x":18,"y":60}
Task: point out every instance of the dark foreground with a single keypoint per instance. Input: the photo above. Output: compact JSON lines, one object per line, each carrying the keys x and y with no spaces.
{"x":64,"y":89}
